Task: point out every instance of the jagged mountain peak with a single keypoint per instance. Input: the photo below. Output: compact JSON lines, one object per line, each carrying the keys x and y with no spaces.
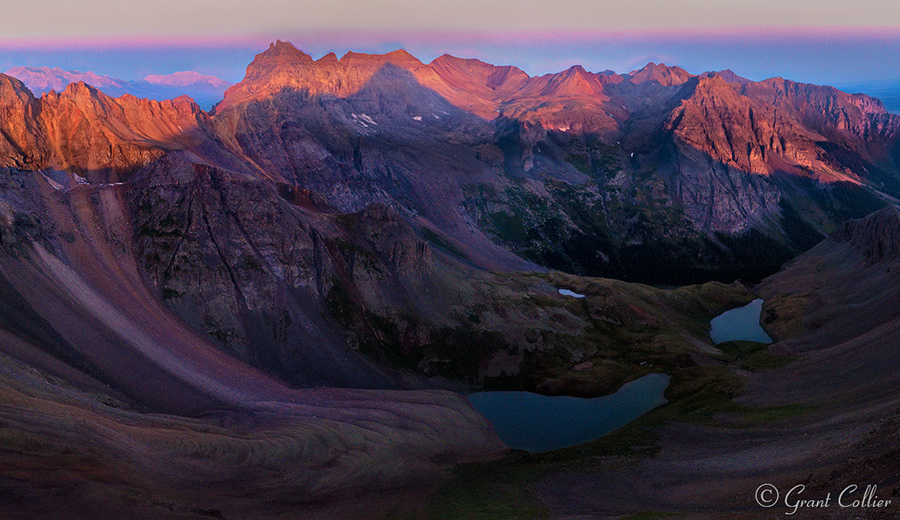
{"x":85,"y":130}
{"x":728,"y":75}
{"x":574,"y":81}
{"x":12,"y":86}
{"x":80,"y":87}
{"x":279,"y":54}
{"x":578,"y":71}
{"x":206,"y":90}
{"x":321,"y":112}
{"x":283,"y":66}
{"x":709,"y":83}
{"x":661,"y":73}
{"x":278,"y":48}
{"x":330,"y":58}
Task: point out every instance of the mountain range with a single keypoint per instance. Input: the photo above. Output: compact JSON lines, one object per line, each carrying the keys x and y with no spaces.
{"x":695,"y":170}
{"x":205,"y":90}
{"x":281,"y":298}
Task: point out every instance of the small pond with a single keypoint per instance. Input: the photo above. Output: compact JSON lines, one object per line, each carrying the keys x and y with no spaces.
{"x":739,"y":324}
{"x":539,"y":423}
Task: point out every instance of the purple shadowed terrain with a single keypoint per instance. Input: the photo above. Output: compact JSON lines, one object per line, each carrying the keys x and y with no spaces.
{"x":272,"y":305}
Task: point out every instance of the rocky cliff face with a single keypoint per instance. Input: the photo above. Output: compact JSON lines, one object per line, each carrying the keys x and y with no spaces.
{"x":21,"y":144}
{"x":877,"y":236}
{"x":85,"y":131}
{"x":779,"y":125}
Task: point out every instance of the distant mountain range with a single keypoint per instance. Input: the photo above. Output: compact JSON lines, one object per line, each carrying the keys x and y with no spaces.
{"x":205,"y":90}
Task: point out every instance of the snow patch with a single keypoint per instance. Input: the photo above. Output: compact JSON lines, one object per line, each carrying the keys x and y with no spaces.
{"x":56,"y":186}
{"x":567,"y":292}
{"x":363,"y":119}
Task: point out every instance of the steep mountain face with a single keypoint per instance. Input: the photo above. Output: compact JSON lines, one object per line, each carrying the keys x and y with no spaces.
{"x":811,"y":307}
{"x":877,"y":237}
{"x":297,"y":224}
{"x":349,"y":298}
{"x":209,"y":296}
{"x":283,"y":66}
{"x":90,"y":133}
{"x":779,"y":125}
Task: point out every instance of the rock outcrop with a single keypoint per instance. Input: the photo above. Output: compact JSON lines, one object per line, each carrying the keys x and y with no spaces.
{"x":876,"y":236}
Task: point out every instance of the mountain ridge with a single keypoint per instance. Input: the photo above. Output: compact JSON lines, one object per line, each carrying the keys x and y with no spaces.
{"x":725,"y":155}
{"x":206,"y":90}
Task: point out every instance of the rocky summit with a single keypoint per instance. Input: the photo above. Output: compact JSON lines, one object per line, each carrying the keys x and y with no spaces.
{"x":277,"y":303}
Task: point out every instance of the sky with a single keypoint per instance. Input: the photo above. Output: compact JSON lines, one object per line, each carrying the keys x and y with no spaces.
{"x":837,"y":42}
{"x":179,"y":18}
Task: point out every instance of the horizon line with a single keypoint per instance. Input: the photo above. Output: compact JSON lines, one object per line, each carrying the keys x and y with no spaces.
{"x":746,"y":33}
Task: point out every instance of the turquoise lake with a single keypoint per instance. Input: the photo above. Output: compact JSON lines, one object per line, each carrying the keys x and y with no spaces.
{"x":540,"y":423}
{"x":739,"y":324}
